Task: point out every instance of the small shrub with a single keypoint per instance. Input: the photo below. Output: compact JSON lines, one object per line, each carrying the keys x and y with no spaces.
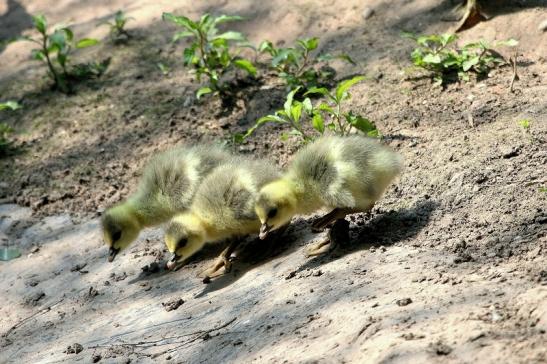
{"x":117,"y":26}
{"x":5,"y":129}
{"x":210,"y":52}
{"x":327,"y":115}
{"x":297,"y":65}
{"x":439,"y":55}
{"x":55,"y":50}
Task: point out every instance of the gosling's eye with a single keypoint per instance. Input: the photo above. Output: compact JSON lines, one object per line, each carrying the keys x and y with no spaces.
{"x":272,"y":213}
{"x":116,"y":235}
{"x":182,"y":242}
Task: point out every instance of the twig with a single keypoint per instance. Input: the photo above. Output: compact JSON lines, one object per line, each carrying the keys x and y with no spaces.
{"x":43,"y":310}
{"x":167,"y":340}
{"x":513,"y":61}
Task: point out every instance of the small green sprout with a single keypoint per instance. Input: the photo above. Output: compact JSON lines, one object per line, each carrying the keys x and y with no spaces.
{"x":210,"y":52}
{"x":439,"y":55}
{"x":525,"y":124}
{"x":5,"y":129}
{"x":55,"y":50}
{"x":297,"y":65}
{"x":117,"y":26}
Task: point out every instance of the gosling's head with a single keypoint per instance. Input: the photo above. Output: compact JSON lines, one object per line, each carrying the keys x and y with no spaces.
{"x":184,"y":236}
{"x":120,"y":228}
{"x":275,"y":206}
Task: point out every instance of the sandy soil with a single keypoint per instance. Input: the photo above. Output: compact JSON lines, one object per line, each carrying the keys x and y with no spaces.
{"x":450,"y":266}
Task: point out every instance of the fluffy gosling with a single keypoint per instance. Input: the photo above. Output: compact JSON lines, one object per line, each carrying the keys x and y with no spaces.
{"x":223,"y":208}
{"x":167,"y":186}
{"x":344,"y":174}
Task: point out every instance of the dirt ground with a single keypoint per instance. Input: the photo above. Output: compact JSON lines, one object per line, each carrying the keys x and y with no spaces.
{"x":451,"y":266}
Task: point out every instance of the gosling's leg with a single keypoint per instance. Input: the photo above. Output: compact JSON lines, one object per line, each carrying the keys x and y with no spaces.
{"x":321,"y":223}
{"x":337,"y":233}
{"x":223,"y":260}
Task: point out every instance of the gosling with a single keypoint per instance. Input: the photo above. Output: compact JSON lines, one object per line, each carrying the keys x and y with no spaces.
{"x":167,"y":186}
{"x":223,"y":208}
{"x":344,"y":174}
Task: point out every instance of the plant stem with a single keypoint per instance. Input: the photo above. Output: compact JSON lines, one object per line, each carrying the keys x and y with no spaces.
{"x":49,"y":64}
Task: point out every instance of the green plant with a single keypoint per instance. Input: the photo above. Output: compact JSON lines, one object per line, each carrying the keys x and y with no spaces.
{"x":297,"y":65}
{"x":337,"y":121}
{"x":525,"y":124}
{"x":55,"y":50}
{"x":210,"y":52}
{"x":5,"y":129}
{"x":117,"y":26}
{"x":326,"y":115}
{"x":439,"y":55}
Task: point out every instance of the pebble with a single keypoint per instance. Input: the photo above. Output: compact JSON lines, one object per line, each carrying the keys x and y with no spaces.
{"x":367,"y":13}
{"x":543,"y":26}
{"x":404,"y":302}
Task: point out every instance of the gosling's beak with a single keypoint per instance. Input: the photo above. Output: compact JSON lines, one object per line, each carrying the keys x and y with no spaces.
{"x":112,"y":254}
{"x":172,"y":264}
{"x":264,"y":230}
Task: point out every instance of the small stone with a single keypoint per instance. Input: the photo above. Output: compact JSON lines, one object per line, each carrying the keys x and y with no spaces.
{"x":95,"y":358}
{"x":367,"y":13}
{"x":442,"y":349}
{"x":543,"y":26}
{"x":172,"y":305}
{"x":74,"y":349}
{"x":404,"y":302}
{"x":291,"y":275}
{"x":317,"y":273}
{"x":33,"y":298}
{"x":151,"y":268}
{"x":509,"y":152}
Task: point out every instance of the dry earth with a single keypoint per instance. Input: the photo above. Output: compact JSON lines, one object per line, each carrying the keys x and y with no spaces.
{"x":451,"y":266}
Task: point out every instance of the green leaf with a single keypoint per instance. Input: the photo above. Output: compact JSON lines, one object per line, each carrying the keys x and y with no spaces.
{"x":325,"y":107}
{"x":58,"y":39}
{"x":343,"y":87}
{"x":12,"y":105}
{"x":309,"y":44}
{"x":188,"y":55}
{"x":346,"y":57}
{"x":362,"y":124}
{"x":409,"y":35}
{"x":180,"y":35}
{"x":227,"y":18}
{"x":180,"y":20}
{"x":466,"y":66}
{"x":38,"y":55}
{"x":296,"y":112}
{"x":246,"y":66}
{"x":509,"y":43}
{"x":307,"y":105}
{"x":230,"y":35}
{"x":68,"y":33}
{"x":432,"y":58}
{"x":288,"y":103}
{"x":317,"y":90}
{"x":266,"y":46}
{"x":40,"y":23}
{"x":317,"y":123}
{"x":203,"y":91}
{"x":163,"y":68}
{"x":447,"y":39}
{"x":273,"y":118}
{"x":86,"y":42}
